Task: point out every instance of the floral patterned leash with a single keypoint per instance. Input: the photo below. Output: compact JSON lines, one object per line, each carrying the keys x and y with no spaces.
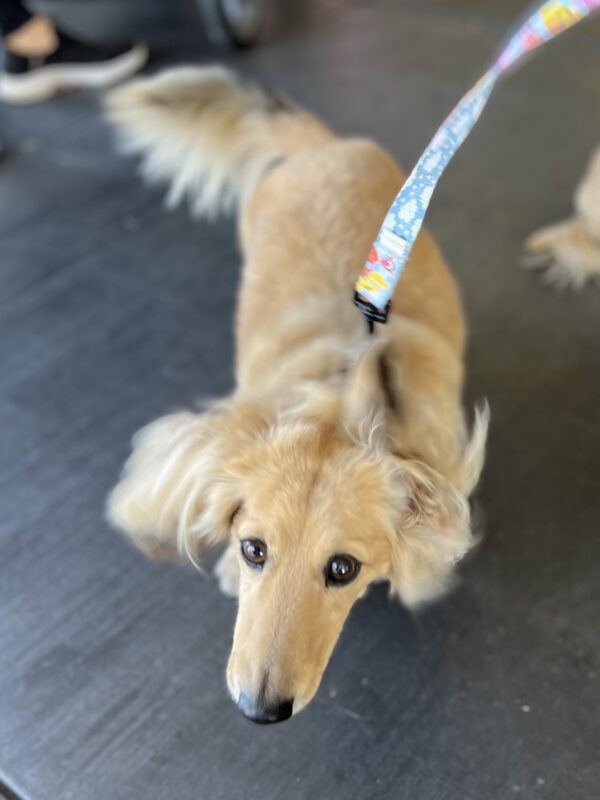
{"x":391,"y":249}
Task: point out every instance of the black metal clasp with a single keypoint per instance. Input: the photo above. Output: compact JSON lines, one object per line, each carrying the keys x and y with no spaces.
{"x":371,"y":312}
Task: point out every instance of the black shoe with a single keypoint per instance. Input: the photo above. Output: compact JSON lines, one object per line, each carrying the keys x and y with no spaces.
{"x":73,"y":65}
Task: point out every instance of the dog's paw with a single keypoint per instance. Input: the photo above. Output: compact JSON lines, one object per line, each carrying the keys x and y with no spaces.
{"x":566,"y":251}
{"x":227,"y":573}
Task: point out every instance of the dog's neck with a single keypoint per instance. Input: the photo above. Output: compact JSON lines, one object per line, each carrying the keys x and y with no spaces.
{"x":321,"y":342}
{"x":313,"y":340}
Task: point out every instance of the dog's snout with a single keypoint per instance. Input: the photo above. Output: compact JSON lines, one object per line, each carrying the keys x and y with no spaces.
{"x":263,"y":713}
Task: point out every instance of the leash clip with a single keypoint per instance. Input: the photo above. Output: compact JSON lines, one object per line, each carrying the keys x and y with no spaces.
{"x":371,"y":312}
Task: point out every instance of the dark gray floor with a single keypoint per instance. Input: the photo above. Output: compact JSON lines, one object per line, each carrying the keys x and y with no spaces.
{"x":111,"y":667}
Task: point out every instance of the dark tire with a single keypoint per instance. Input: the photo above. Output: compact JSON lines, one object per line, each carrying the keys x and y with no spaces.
{"x":235,"y":22}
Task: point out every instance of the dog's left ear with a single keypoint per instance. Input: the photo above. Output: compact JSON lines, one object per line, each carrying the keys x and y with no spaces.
{"x":432,"y":528}
{"x":176,"y":496}
{"x":432,"y":533}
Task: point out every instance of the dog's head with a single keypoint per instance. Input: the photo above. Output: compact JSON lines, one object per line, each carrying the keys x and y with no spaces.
{"x":318,"y":502}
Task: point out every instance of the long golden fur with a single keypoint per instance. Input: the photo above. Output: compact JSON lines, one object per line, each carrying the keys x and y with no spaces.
{"x":333,"y":442}
{"x":569,"y":251}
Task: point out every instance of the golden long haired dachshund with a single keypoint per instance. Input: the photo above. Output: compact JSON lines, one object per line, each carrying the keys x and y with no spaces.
{"x":340,"y":459}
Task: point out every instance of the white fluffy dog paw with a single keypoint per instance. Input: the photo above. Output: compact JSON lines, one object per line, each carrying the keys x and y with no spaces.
{"x":567,"y":251}
{"x":227,"y":573}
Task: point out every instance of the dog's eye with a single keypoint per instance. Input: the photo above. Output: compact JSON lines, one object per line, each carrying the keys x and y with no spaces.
{"x":254,"y":552}
{"x":341,"y":569}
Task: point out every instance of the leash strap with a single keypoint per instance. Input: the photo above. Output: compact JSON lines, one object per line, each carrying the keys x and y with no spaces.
{"x":391,"y":249}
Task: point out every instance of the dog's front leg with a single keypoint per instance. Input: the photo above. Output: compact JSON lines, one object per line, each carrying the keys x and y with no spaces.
{"x":227,"y":571}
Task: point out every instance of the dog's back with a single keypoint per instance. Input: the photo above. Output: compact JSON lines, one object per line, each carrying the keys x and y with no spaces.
{"x":310,"y":203}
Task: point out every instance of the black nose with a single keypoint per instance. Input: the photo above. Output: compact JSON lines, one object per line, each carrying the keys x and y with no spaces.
{"x":265,"y":714}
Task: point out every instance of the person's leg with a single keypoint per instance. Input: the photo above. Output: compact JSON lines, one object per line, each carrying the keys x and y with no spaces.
{"x":41,"y":60}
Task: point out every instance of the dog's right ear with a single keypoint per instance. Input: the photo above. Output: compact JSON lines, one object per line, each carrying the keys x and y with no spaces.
{"x":176,"y":496}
